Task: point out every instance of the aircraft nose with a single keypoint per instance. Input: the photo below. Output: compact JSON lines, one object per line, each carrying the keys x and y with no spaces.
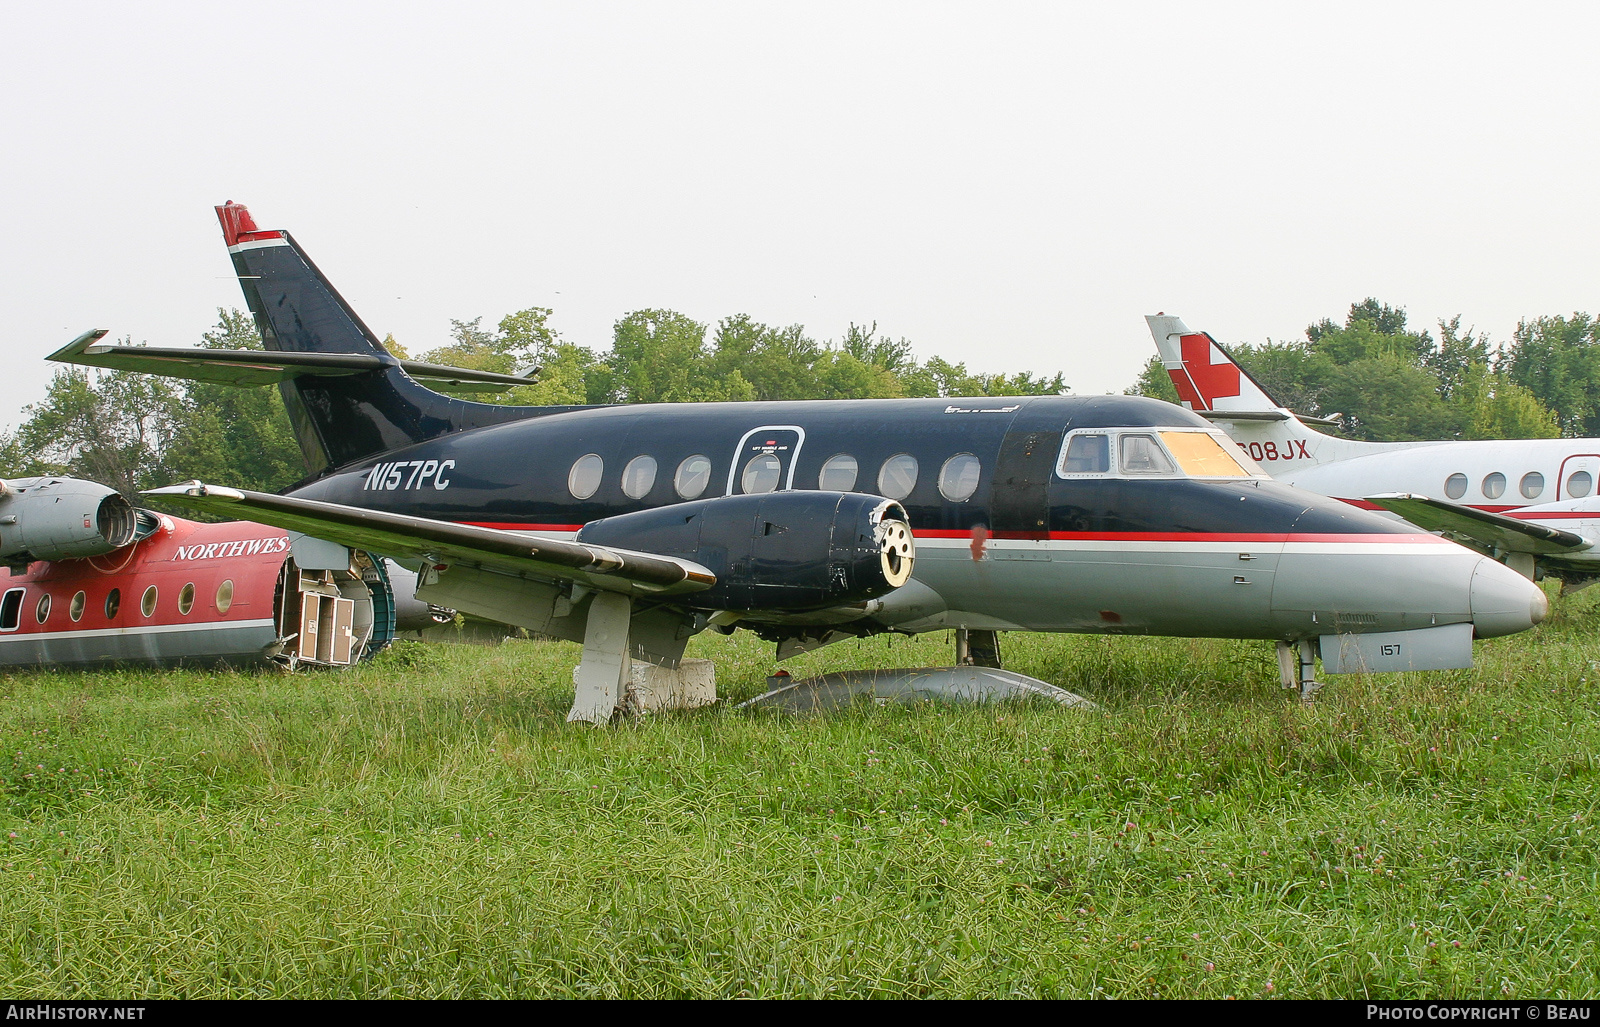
{"x":1503,"y":601}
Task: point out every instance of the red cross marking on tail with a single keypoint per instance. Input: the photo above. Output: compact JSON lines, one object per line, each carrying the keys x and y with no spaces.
{"x":1200,"y":381}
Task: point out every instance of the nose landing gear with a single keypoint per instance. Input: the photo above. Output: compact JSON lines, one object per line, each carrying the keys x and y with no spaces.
{"x":1297,"y":667}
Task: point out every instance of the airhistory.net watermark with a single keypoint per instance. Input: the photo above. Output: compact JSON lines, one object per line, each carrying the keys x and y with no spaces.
{"x":70,"y":1011}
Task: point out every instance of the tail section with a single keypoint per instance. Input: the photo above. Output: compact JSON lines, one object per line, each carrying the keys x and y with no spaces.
{"x":337,"y":420}
{"x":1206,"y":377}
{"x":1211,"y":384}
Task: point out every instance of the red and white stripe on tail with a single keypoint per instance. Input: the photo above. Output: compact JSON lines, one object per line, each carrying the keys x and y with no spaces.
{"x":1206,"y":377}
{"x":1212,"y":385}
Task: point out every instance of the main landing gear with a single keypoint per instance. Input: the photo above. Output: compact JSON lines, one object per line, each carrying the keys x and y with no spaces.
{"x":977,"y":648}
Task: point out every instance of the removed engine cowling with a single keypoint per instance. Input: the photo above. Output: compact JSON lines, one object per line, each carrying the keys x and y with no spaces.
{"x":61,"y":519}
{"x":781,"y":551}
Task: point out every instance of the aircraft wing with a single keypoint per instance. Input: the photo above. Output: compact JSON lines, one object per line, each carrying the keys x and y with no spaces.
{"x":1481,"y":528}
{"x":444,"y":542}
{"x":249,"y":368}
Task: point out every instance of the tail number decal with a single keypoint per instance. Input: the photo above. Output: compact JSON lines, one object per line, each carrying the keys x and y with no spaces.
{"x":1261,"y":452}
{"x":408,"y":474}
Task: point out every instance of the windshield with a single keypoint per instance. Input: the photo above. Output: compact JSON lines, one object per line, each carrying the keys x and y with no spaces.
{"x":1201,"y":456}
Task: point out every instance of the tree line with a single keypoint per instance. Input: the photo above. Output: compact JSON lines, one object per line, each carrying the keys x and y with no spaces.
{"x":1392,"y":384}
{"x":1387,"y":381}
{"x":134,"y":431}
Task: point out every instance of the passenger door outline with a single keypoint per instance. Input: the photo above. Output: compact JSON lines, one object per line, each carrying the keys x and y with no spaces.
{"x":744,"y":451}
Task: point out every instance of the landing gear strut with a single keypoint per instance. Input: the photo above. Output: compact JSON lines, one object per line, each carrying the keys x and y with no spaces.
{"x":977,"y":648}
{"x":1297,"y":667}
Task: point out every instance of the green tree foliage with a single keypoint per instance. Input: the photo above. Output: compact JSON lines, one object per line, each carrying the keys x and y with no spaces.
{"x":229,"y":435}
{"x":1154,"y":381}
{"x":132,"y":431}
{"x":1393,"y":384}
{"x":108,"y":426}
{"x":1557,"y":359}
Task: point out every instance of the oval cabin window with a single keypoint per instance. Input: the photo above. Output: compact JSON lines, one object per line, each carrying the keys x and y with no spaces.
{"x":958,"y":478}
{"x":839,"y":473}
{"x":225,"y":596}
{"x":1455,"y":486}
{"x":41,"y":613}
{"x":584,"y":478}
{"x":186,"y":599}
{"x":1532,"y":485}
{"x":898,"y":476}
{"x":1579,"y":484}
{"x":147,"y":604}
{"x":113,"y":603}
{"x":692,"y":477}
{"x":761,"y":474}
{"x":75,"y":608}
{"x":639,"y":477}
{"x":1494,"y":485}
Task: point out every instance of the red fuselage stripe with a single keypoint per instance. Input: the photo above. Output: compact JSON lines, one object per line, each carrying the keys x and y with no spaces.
{"x":1184,"y":536}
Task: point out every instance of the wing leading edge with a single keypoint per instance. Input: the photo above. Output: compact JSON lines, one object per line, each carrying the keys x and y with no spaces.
{"x":250,"y":368}
{"x":1482,"y":528}
{"x":442,"y":542}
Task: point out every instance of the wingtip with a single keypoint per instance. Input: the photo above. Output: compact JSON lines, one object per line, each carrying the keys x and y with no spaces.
{"x":197,"y":490}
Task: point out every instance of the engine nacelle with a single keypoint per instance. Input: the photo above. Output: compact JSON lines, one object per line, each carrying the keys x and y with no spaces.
{"x":61,"y":519}
{"x":781,"y":551}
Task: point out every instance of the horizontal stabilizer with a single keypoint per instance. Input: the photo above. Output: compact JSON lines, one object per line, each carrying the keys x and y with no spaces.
{"x":1480,"y":527}
{"x":1266,"y":415}
{"x":444,"y":542}
{"x":249,"y":368}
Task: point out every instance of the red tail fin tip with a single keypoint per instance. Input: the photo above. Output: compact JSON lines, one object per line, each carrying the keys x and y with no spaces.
{"x":238,"y":226}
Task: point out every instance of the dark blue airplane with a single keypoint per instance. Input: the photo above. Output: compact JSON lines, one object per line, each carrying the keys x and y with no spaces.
{"x":631,"y":528}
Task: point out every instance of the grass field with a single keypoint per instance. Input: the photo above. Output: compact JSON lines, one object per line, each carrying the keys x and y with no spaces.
{"x":428,"y":825}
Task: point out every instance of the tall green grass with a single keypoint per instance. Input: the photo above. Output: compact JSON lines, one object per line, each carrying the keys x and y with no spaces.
{"x":428,"y":825}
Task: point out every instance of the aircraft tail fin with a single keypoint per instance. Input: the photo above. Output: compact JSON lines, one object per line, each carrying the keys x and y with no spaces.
{"x":1213,"y":385}
{"x":337,"y":420}
{"x":1207,"y":378}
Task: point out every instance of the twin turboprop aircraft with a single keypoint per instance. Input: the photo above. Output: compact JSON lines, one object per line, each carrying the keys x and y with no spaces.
{"x":631,"y":528}
{"x":1530,"y":503}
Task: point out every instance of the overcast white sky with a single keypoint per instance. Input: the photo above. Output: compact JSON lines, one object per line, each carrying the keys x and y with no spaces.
{"x":1012,"y":185}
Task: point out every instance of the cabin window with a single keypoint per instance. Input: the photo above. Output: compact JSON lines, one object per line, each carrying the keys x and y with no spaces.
{"x":1201,"y":456}
{"x":639,"y":477}
{"x":1494,"y":485}
{"x":147,"y":604}
{"x":1087,"y":454}
{"x":958,"y":478}
{"x":1579,"y":484}
{"x":1455,"y":486}
{"x":41,"y":613}
{"x":898,"y":476}
{"x":186,"y":599}
{"x":1142,"y":454}
{"x":75,"y":608}
{"x":113,"y":603}
{"x":584,"y":478}
{"x":11,"y":609}
{"x":761,"y":474}
{"x":1532,"y":485}
{"x":839,"y":473}
{"x":692,"y":477}
{"x":225,"y":596}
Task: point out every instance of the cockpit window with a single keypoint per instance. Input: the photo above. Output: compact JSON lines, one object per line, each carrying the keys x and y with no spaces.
{"x":1087,"y":454}
{"x":1142,"y":454}
{"x":1201,"y":456}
